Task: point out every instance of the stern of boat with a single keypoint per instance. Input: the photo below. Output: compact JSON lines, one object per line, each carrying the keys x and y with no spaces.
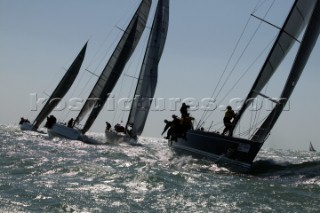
{"x":114,"y":137}
{"x":26,"y":126}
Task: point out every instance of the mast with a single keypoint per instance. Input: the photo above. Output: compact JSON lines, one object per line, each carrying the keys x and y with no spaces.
{"x":148,"y":76}
{"x":61,"y":89}
{"x":293,"y":25}
{"x":115,"y":66}
{"x":308,"y":42}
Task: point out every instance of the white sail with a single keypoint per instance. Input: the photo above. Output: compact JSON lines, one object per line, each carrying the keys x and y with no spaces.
{"x":147,"y":80}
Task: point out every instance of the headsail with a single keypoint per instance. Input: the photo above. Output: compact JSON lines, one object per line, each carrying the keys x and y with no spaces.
{"x":148,"y":76}
{"x":309,"y":40}
{"x":61,"y":89}
{"x":293,"y":26}
{"x":115,"y":65}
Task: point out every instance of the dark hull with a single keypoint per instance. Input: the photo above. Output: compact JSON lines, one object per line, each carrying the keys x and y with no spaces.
{"x":237,"y":154}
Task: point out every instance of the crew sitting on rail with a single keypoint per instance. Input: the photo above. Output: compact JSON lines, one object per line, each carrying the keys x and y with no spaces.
{"x":119,"y":128}
{"x":23,"y":120}
{"x":50,"y":121}
{"x":108,"y":127}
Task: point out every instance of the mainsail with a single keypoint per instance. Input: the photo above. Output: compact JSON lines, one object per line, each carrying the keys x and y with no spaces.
{"x":148,"y":76}
{"x":61,"y":89}
{"x":115,"y":66}
{"x":294,"y":24}
{"x":309,"y":40}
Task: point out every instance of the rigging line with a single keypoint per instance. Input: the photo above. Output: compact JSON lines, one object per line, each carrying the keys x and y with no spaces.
{"x":92,"y":61}
{"x":258,"y":113}
{"x":135,"y":80}
{"x":99,"y":64}
{"x":84,"y":85}
{"x":236,"y":46}
{"x":140,"y":64}
{"x":122,"y":78}
{"x":131,"y":76}
{"x":229,"y":60}
{"x":225,"y":69}
{"x":223,"y":72}
{"x":246,"y":47}
{"x":256,"y":127}
{"x":101,"y":49}
{"x":251,"y":128}
{"x":259,"y":5}
{"x":125,"y":14}
{"x":231,"y":56}
{"x":125,"y":17}
{"x":247,"y":131}
{"x":218,"y":124}
{"x":262,"y":122}
{"x":79,"y":82}
{"x":92,"y":73}
{"x":247,"y":70}
{"x":253,"y":119}
{"x":119,"y":92}
{"x":84,"y":88}
{"x":279,"y":28}
{"x":119,"y":115}
{"x":244,"y":74}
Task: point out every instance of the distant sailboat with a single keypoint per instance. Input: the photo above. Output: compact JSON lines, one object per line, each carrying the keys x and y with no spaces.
{"x":59,"y":92}
{"x":108,"y":78}
{"x":147,"y":80}
{"x":238,"y":153}
{"x":311,"y":148}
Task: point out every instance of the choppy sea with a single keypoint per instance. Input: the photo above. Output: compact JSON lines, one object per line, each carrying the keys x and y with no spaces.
{"x":38,"y":174}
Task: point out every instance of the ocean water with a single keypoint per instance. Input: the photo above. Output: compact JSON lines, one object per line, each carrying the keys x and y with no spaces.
{"x":38,"y":174}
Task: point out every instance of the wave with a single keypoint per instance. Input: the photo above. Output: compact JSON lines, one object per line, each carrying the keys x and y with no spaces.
{"x":307,"y":169}
{"x":283,"y":162}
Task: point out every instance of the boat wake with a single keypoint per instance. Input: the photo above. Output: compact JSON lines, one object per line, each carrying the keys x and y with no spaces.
{"x":307,"y":169}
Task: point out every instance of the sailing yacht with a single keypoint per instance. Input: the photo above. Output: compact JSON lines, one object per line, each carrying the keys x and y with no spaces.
{"x":59,"y":92}
{"x":236,"y":152}
{"x":311,"y":148}
{"x":107,"y":79}
{"x":147,"y":80}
